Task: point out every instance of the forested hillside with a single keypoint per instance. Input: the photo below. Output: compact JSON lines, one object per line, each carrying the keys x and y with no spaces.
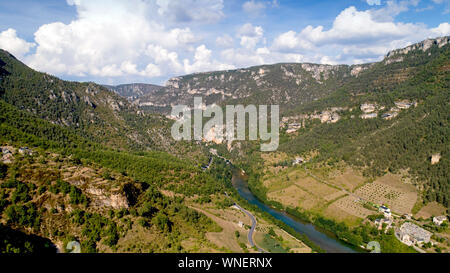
{"x":94,"y":170}
{"x":406,"y":142}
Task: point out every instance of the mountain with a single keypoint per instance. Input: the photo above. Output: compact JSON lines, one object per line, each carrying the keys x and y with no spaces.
{"x":291,"y":84}
{"x":89,"y":109}
{"x":80,"y":163}
{"x":135,"y":90}
{"x":104,"y":171}
{"x":285,"y":84}
{"x":333,"y":106}
{"x":391,"y":118}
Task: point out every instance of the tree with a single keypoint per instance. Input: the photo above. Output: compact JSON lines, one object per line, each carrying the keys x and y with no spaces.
{"x":3,"y":170}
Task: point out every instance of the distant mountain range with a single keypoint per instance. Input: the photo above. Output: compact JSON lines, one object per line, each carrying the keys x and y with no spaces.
{"x":135,"y":90}
{"x":291,"y":84}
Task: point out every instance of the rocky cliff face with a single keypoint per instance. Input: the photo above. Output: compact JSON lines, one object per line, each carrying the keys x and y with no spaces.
{"x":287,"y":84}
{"x":423,"y":46}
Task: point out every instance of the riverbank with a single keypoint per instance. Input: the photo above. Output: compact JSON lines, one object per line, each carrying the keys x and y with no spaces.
{"x":323,"y":240}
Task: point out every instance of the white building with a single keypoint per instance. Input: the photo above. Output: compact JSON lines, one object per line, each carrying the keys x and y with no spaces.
{"x":386,"y":211}
{"x":438,"y":220}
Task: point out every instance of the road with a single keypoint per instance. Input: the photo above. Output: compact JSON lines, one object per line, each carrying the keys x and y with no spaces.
{"x":211,"y":160}
{"x":252,"y":229}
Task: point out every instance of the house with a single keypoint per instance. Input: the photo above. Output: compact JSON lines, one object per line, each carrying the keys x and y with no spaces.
{"x":379,"y":223}
{"x":6,"y":151}
{"x":439,"y":220}
{"x":411,"y":234}
{"x":386,"y":211}
{"x":240,"y":224}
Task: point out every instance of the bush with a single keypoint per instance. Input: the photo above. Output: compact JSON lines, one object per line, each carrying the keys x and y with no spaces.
{"x":162,"y":222}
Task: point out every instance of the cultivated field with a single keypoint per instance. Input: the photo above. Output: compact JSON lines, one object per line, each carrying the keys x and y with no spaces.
{"x":339,"y":193}
{"x":348,"y":179}
{"x":352,"y":206}
{"x":391,"y":191}
{"x":431,"y":209}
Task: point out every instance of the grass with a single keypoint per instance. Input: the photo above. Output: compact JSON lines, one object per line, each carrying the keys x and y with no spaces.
{"x":271,"y":244}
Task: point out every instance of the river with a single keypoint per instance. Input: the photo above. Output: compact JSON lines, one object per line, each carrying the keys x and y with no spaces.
{"x":320,"y":238}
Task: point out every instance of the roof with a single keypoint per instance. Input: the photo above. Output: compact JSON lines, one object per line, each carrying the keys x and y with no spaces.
{"x":441,"y":218}
{"x":415,"y":231}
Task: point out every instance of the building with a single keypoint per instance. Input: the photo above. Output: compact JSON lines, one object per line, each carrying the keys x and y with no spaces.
{"x":386,"y":211}
{"x":379,"y":223}
{"x":411,"y":234}
{"x":439,"y":220}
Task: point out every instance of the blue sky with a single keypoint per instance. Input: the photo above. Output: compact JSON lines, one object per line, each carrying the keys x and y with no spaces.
{"x":116,"y":41}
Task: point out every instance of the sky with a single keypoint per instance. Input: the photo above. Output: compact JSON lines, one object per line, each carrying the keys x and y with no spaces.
{"x":150,"y":41}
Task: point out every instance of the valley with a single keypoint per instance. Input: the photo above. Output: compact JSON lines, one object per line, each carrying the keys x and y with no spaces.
{"x":363,"y":157}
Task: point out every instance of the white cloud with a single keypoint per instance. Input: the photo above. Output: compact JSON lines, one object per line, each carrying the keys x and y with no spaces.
{"x":254,"y":7}
{"x":373,"y":2}
{"x":224,"y":41}
{"x":15,"y":45}
{"x":143,"y":39}
{"x":250,"y":35}
{"x":191,"y":10}
{"x":203,"y":62}
{"x":129,"y":40}
{"x":442,"y":30}
{"x":357,"y":35}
